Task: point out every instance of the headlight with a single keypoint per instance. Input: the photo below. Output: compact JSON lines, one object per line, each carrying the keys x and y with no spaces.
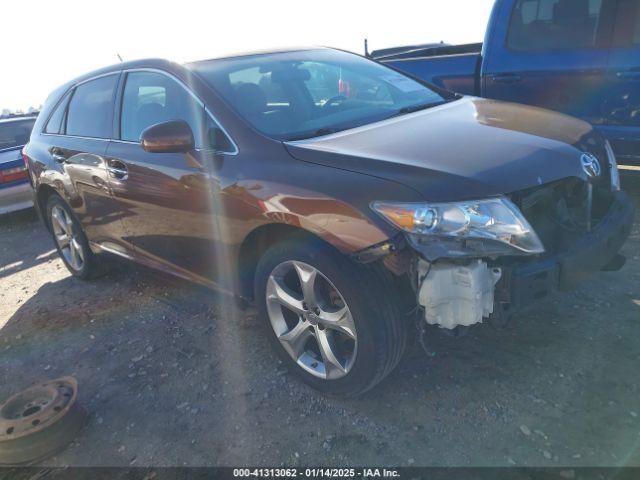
{"x":613,"y":167}
{"x":480,"y":227}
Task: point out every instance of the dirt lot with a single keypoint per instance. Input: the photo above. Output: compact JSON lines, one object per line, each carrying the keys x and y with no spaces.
{"x":175,"y":375}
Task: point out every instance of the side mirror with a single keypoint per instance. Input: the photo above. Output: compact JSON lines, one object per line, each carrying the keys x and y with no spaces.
{"x":174,"y":136}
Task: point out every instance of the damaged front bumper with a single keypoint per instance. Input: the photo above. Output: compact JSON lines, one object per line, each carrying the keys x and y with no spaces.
{"x":454,"y":293}
{"x":525,"y":282}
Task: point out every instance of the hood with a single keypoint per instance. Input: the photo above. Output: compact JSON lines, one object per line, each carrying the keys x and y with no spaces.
{"x":469,"y":148}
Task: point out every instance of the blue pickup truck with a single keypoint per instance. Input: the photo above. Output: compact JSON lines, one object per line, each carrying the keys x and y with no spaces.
{"x":580,"y":57}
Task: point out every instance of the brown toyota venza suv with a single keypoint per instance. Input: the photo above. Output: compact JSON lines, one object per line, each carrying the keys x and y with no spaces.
{"x":346,"y":199}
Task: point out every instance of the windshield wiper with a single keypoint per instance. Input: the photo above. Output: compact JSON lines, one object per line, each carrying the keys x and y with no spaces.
{"x":416,"y":108}
{"x":317,"y":133}
{"x":401,"y":111}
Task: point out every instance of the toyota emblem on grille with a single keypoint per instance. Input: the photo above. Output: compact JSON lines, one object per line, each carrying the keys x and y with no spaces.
{"x":590,"y":165}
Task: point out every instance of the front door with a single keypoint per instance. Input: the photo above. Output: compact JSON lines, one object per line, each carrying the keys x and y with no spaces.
{"x":170,"y":214}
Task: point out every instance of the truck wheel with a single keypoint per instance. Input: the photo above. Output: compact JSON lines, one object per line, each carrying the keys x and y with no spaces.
{"x":333,"y":322}
{"x":70,"y":240}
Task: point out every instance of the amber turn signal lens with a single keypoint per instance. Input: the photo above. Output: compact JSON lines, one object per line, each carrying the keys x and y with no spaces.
{"x":401,"y":217}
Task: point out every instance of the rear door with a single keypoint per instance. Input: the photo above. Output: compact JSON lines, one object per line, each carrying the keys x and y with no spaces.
{"x":552,"y":54}
{"x":77,"y":134}
{"x":622,"y":101}
{"x":168,"y":210}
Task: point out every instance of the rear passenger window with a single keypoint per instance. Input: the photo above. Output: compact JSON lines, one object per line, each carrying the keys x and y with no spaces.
{"x":54,"y":125}
{"x":554,"y":24}
{"x":90,"y":108}
{"x":151,"y":98}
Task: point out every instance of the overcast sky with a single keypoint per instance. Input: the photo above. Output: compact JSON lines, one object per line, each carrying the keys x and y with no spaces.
{"x":46,"y":43}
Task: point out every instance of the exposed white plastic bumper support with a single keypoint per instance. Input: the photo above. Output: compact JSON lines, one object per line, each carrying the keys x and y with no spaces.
{"x":454,"y":295}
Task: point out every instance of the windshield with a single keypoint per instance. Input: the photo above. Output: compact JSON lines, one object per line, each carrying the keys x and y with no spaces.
{"x":15,"y":133}
{"x":302,"y":94}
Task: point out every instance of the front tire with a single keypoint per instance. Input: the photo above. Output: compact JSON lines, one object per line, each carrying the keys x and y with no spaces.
{"x":70,"y":241}
{"x":333,"y":322}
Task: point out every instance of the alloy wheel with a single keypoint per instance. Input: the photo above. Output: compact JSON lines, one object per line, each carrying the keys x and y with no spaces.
{"x":67,"y":238}
{"x":311,"y":320}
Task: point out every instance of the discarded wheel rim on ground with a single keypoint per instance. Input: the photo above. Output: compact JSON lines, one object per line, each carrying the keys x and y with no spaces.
{"x":39,"y":421}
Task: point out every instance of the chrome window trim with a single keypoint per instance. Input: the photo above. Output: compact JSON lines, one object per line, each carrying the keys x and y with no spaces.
{"x":82,"y":82}
{"x":130,"y":142}
{"x":195,"y":97}
{"x":75,"y":136}
{"x":155,"y":70}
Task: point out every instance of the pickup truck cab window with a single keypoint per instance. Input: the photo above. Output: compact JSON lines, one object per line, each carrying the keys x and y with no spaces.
{"x":91,"y":106}
{"x":554,"y":24}
{"x":626,"y":32}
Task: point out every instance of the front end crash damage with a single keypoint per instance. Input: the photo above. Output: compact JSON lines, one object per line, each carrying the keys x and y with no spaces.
{"x":457,"y":295}
{"x":456,"y":292}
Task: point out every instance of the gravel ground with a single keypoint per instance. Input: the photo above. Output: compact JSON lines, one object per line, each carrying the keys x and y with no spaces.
{"x":173,"y":374}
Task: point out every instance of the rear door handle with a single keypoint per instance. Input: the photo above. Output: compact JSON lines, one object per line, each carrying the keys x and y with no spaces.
{"x":507,"y":78}
{"x":117,"y":170}
{"x":57,"y":155}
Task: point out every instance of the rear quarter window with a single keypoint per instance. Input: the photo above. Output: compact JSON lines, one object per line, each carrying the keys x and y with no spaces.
{"x":54,"y":125}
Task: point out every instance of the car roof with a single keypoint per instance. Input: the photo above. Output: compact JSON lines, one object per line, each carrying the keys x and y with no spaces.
{"x":159,"y":63}
{"x":252,"y":53}
{"x":163,"y":64}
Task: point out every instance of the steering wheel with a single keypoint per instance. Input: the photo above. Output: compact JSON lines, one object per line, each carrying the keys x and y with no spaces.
{"x":334,"y":101}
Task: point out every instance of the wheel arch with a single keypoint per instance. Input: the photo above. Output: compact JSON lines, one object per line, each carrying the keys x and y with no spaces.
{"x":43,"y":194}
{"x":259,"y":240}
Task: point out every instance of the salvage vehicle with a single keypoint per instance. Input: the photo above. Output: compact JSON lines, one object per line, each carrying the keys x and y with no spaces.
{"x":579,"y":57}
{"x":338,"y":194}
{"x":15,"y":191}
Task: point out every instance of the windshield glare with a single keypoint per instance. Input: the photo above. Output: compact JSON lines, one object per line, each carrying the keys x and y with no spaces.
{"x":302,"y":94}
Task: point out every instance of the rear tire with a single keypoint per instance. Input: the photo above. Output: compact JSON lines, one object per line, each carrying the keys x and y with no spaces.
{"x":354,"y":311}
{"x":70,"y":240}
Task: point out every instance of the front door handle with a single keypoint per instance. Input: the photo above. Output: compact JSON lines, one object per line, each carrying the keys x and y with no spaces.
{"x":117,"y":170}
{"x":506,"y":78}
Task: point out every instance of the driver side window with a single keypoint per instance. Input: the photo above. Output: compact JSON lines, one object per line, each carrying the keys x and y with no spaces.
{"x":151,"y":98}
